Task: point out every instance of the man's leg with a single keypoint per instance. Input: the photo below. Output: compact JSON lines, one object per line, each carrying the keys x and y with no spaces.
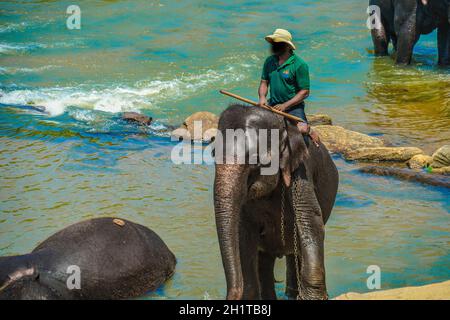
{"x":304,"y":127}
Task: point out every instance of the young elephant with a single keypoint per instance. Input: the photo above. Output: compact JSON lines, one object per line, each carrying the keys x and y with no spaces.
{"x":252,"y":215}
{"x":113,"y":259}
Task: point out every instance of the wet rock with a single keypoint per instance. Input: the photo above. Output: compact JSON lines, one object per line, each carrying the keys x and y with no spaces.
{"x":407,"y":174}
{"x":395,"y":154}
{"x":441,"y":158}
{"x":340,"y":140}
{"x":419,"y":161}
{"x":204,"y":131}
{"x":319,"y":119}
{"x":137,"y":118}
{"x":435,"y":291}
{"x":443,"y":170}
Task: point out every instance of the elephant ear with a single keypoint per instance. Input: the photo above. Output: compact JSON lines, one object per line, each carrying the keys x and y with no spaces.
{"x":293,"y":151}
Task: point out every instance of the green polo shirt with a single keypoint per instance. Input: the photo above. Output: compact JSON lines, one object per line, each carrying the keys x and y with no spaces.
{"x":287,"y":80}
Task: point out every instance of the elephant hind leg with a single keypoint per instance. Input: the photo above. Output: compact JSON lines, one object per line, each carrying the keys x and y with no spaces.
{"x":266,"y":264}
{"x":249,"y":260}
{"x":405,"y":26}
{"x":381,"y":41}
{"x":444,"y":44}
{"x":311,"y":235}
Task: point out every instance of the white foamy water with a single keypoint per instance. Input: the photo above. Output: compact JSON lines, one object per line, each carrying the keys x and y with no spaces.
{"x":20,"y":48}
{"x":8,"y":48}
{"x":10,"y":27}
{"x":146,"y":94}
{"x":13,"y":71}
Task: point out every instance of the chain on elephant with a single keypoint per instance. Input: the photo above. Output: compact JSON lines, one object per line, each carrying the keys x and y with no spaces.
{"x":283,"y":238}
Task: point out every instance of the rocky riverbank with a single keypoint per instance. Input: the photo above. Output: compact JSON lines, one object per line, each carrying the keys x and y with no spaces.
{"x":404,"y":162}
{"x":435,"y":291}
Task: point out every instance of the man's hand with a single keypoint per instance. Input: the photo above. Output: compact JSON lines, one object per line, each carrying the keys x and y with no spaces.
{"x":262,"y":101}
{"x":280,"y":107}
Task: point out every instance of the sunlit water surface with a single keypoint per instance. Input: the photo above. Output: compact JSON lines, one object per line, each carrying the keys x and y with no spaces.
{"x":168,"y":59}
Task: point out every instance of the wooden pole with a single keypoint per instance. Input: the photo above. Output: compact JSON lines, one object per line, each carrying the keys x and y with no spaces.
{"x":253,"y":103}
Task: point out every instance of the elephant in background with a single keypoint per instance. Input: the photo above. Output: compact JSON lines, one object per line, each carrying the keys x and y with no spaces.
{"x":403,"y":21}
{"x":249,"y":214}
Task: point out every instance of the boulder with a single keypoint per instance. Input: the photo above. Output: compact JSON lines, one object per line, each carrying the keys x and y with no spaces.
{"x":205,"y":131}
{"x":319,"y":119}
{"x":400,"y":154}
{"x":441,"y":158}
{"x":410,"y":175}
{"x":419,"y":161}
{"x":340,"y":140}
{"x":137,"y":118}
{"x":435,"y":291}
{"x":443,"y":170}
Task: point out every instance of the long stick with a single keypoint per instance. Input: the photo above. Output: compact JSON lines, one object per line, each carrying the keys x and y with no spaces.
{"x":253,"y":103}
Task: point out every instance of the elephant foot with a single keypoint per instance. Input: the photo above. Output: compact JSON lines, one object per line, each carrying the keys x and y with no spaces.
{"x":313,"y":294}
{"x":235,"y":294}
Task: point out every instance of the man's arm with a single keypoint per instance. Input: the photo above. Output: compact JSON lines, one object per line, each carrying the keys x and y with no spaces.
{"x":262,"y":92}
{"x":297,"y":99}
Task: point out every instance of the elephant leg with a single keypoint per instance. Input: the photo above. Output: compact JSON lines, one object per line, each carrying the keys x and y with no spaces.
{"x":380,"y":40}
{"x":249,"y":261}
{"x":394,"y":42}
{"x":266,"y":263}
{"x":444,"y":44}
{"x":292,"y":289}
{"x":311,"y":232}
{"x":405,"y":25}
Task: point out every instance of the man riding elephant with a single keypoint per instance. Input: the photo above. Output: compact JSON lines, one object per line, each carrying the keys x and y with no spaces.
{"x":287,"y":77}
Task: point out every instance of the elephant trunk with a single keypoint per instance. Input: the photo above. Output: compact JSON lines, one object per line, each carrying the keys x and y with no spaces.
{"x":230,"y":188}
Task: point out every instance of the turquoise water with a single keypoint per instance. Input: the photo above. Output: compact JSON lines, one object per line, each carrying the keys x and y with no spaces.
{"x":168,"y":59}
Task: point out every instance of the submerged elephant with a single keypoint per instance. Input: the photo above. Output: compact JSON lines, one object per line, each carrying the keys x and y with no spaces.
{"x":253,"y":217}
{"x":113,"y":258}
{"x":403,"y":21}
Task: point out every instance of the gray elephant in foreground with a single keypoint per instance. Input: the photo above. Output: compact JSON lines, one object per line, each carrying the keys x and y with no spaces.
{"x":251,"y":223}
{"x":403,"y":21}
{"x":113,"y":258}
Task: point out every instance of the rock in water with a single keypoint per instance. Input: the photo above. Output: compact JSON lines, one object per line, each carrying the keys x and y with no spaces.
{"x":137,"y":118}
{"x":340,"y":140}
{"x":394,"y":154}
{"x":419,"y":161}
{"x":441,"y":158}
{"x":209,"y":122}
{"x":407,"y":174}
{"x":319,"y":119}
{"x":435,"y":291}
{"x":102,"y":258}
{"x":443,"y":170}
{"x":200,"y":126}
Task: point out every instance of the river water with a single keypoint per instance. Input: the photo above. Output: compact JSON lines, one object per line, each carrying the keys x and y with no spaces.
{"x":168,"y":59}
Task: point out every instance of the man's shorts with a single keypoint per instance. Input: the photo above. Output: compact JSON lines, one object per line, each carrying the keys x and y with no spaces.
{"x":298,"y":111}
